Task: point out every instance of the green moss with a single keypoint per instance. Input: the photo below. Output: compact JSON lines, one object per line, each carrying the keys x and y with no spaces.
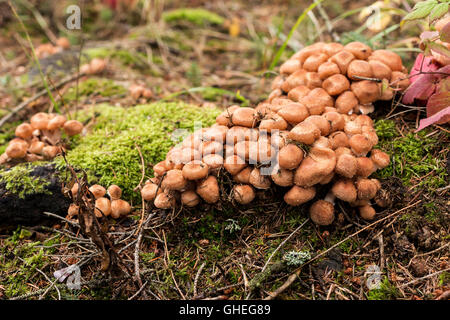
{"x":129,"y":58}
{"x":387,"y":291}
{"x":411,"y":156}
{"x":196,"y":16}
{"x":97,"y":86}
{"x":19,"y":181}
{"x":109,"y":153}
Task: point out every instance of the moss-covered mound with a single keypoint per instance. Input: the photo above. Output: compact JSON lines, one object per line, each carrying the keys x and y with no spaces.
{"x":110,"y":152}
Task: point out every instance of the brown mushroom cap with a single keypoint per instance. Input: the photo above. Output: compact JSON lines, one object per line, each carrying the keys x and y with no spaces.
{"x":283,"y":177}
{"x":213,"y":161}
{"x":114,"y":192}
{"x":328,"y":69}
{"x":273,"y":122}
{"x":150,"y":191}
{"x":208,"y":189}
{"x":365,"y":167}
{"x":243,"y":176}
{"x":73,"y":127}
{"x":380,"y":70}
{"x":298,"y":195}
{"x":319,"y":163}
{"x":97,"y":190}
{"x":63,"y":42}
{"x":313,"y":62}
{"x":24,"y":131}
{"x":366,"y":91}
{"x":39,"y":121}
{"x":234,"y":164}
{"x":346,"y":165}
{"x":164,"y":200}
{"x":102,"y":207}
{"x":173,"y":180}
{"x":360,"y":145}
{"x":320,"y":122}
{"x":195,"y":170}
{"x":305,"y":132}
{"x":290,"y":66}
{"x":290,"y":156}
{"x":399,"y":80}
{"x":16,"y":150}
{"x":120,"y":208}
{"x":56,"y":122}
{"x":189,"y":198}
{"x":294,"y":113}
{"x":97,"y":65}
{"x":298,"y":93}
{"x":389,"y":58}
{"x":367,"y":189}
{"x":322,"y":213}
{"x":336,"y":84}
{"x":49,"y":152}
{"x":258,"y":180}
{"x":160,"y":168}
{"x":338,"y":139}
{"x":243,"y":194}
{"x":317,"y":100}
{"x":359,"y":68}
{"x":244,"y":117}
{"x":367,"y":212}
{"x":73,"y":210}
{"x":342,"y":59}
{"x":359,"y":50}
{"x":380,"y":159}
{"x":225,"y":117}
{"x":346,"y":102}
{"x":345,"y":190}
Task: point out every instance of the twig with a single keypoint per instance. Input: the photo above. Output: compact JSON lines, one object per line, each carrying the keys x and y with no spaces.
{"x":425,"y":277}
{"x":61,"y":218}
{"x":285,"y":285}
{"x":198,"y":276}
{"x":282,"y":244}
{"x":139,"y":291}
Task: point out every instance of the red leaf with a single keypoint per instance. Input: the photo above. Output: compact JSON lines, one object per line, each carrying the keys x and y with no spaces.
{"x":441,"y":99}
{"x":440,"y":117}
{"x":427,"y":65}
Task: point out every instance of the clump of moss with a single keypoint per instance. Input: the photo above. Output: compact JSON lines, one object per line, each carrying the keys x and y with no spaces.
{"x":386,"y":291}
{"x":196,"y":16}
{"x":411,"y":156}
{"x":97,"y":86}
{"x":19,"y":181}
{"x":110,"y":155}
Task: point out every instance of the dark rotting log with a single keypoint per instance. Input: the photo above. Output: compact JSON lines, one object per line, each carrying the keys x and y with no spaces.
{"x":29,"y":211}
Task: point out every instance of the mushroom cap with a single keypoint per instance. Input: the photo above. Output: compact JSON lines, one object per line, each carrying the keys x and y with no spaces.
{"x":97,"y":190}
{"x":244,"y":117}
{"x":73,"y":127}
{"x":360,"y":145}
{"x":243,"y":194}
{"x":283,"y":177}
{"x":16,"y":150}
{"x":359,"y":50}
{"x":335,"y":119}
{"x":367,"y":189}
{"x":63,"y":42}
{"x":342,"y":59}
{"x":173,"y":180}
{"x":345,"y":190}
{"x":346,"y":165}
{"x":97,"y":65}
{"x":208,"y":189}
{"x":380,"y":70}
{"x":313,"y":62}
{"x":164,"y":200}
{"x":338,"y":139}
{"x":359,"y":68}
{"x":321,"y":122}
{"x":102,"y":207}
{"x":290,"y":66}
{"x":49,"y":152}
{"x":150,"y":191}
{"x":367,"y":212}
{"x":319,"y":163}
{"x":114,"y":192}
{"x":298,"y":93}
{"x":160,"y":168}
{"x":225,"y":117}
{"x":24,"y":131}
{"x":120,"y":208}
{"x":290,"y":156}
{"x":322,"y":213}
{"x":305,"y":132}
{"x":328,"y":69}
{"x":189,"y":198}
{"x":273,"y":121}
{"x":389,"y":58}
{"x":298,"y":195}
{"x":237,"y":133}
{"x":73,"y":210}
{"x":39,"y":120}
{"x":56,"y":122}
{"x":380,"y":159}
{"x":336,"y":84}
{"x":366,"y":91}
{"x":243,"y":176}
{"x":346,"y":101}
{"x":213,"y":161}
{"x":258,"y":180}
{"x":294,"y":113}
{"x":234,"y":164}
{"x":317,"y":100}
{"x":195,"y":170}
{"x":364,"y":167}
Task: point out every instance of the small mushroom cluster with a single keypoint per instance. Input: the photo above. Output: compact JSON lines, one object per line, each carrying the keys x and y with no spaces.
{"x":137,"y":91}
{"x":107,"y":202}
{"x":95,"y":66}
{"x":349,"y":78}
{"x":48,"y":49}
{"x":39,"y":139}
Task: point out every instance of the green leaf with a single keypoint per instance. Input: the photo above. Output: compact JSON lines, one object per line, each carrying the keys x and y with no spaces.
{"x":438,"y":11}
{"x":420,"y":10}
{"x":439,"y":48}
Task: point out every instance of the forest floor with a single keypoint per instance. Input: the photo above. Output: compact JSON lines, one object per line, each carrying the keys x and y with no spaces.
{"x":224,"y":251}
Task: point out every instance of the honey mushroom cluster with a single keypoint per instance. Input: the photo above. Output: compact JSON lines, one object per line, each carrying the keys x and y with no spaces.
{"x":137,"y":91}
{"x":349,"y":78}
{"x":107,"y":202}
{"x":47,"y":49}
{"x":95,"y":66}
{"x":39,"y":139}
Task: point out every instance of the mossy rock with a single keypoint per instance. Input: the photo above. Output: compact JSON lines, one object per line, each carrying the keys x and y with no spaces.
{"x":196,"y":16}
{"x":110,"y":152}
